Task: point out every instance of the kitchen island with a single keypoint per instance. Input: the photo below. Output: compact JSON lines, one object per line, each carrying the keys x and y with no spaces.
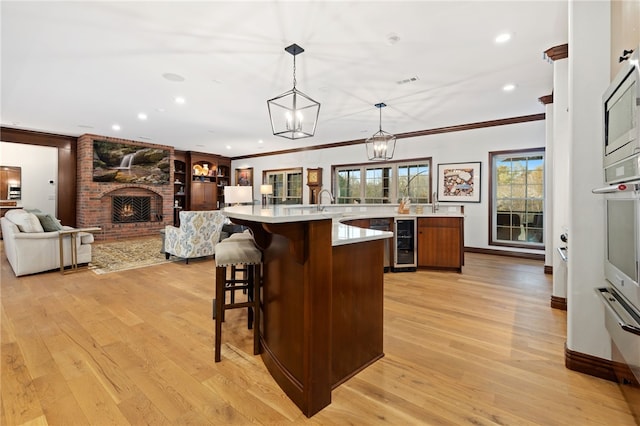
{"x":321,"y":300}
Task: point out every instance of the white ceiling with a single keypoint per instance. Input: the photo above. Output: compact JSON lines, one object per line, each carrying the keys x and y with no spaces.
{"x":79,"y":67}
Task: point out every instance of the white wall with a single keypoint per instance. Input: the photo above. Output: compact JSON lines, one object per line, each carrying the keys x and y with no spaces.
{"x":455,"y":147}
{"x":560,"y":172}
{"x":589,"y":46}
{"x":39,"y":166}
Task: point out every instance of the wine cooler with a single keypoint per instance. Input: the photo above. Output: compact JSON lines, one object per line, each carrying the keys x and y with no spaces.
{"x":404,"y":238}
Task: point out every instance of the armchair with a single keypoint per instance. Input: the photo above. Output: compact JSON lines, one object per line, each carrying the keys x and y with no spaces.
{"x":197,"y":235}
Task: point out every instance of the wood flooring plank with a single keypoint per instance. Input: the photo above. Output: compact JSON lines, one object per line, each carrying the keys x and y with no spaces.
{"x":139,"y":410}
{"x":58,"y":402}
{"x":19,"y":398}
{"x":95,"y":402}
{"x":250,"y":383}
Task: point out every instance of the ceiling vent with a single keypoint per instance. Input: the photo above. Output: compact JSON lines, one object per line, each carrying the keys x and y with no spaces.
{"x":408,"y":80}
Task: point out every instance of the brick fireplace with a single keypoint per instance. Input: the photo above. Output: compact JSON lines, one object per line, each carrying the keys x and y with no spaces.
{"x":96,"y":199}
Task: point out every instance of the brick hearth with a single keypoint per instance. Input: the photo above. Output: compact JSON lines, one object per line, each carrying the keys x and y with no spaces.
{"x":94,"y":198}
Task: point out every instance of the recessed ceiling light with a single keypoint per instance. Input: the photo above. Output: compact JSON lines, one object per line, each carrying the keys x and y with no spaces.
{"x":508,"y":87}
{"x":173,"y":77}
{"x":142,"y":116}
{"x":179,"y":100}
{"x":260,"y":141}
{"x":392,"y":38}
{"x":115,"y":127}
{"x":503,"y":38}
{"x":228,"y":146}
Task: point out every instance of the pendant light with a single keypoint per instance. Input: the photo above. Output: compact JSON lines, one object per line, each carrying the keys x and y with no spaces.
{"x":381,"y":145}
{"x":293,"y":114}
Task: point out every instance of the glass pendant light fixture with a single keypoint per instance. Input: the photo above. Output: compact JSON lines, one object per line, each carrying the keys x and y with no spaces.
{"x":381,"y":145}
{"x":293,"y":114}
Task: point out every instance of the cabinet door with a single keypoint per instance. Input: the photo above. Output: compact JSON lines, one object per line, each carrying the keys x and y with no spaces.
{"x":203,"y":196}
{"x":440,"y":243}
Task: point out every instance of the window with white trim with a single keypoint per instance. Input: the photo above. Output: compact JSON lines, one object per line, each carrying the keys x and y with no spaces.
{"x":287,"y":185}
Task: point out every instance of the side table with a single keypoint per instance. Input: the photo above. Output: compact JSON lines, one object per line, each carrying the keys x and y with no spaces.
{"x":73,"y":235}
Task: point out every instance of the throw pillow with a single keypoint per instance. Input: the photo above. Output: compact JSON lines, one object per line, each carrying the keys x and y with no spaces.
{"x":49,"y":222}
{"x":26,"y":222}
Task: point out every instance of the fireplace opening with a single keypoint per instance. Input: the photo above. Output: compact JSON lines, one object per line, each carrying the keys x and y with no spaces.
{"x":127,"y":209}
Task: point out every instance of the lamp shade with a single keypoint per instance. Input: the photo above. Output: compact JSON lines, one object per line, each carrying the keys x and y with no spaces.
{"x":238,"y":194}
{"x":266,"y":189}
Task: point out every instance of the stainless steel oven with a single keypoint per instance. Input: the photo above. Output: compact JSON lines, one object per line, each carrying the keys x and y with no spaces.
{"x":621,"y":294}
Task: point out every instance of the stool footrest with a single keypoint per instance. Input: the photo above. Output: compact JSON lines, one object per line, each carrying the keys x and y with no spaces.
{"x":249,"y":284}
{"x":239,"y":305}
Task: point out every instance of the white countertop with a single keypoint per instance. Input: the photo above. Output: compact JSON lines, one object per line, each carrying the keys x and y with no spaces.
{"x":341,"y":233}
{"x":278,"y":213}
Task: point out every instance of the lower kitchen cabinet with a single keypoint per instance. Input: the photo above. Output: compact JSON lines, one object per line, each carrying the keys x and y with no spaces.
{"x":441,"y":243}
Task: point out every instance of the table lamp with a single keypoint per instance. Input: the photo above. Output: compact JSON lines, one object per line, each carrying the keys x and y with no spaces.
{"x":266,"y":190}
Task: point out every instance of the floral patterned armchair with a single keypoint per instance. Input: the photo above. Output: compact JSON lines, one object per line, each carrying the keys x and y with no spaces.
{"x":197,"y":236}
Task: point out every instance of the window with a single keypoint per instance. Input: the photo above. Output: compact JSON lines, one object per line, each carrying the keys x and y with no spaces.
{"x":517,"y":198}
{"x":384,"y":183}
{"x":287,"y":185}
{"x":376,"y":185}
{"x":413,"y":182}
{"x":348,"y":186}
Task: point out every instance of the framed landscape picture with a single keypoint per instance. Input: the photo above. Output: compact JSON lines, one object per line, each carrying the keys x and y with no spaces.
{"x":459,"y":182}
{"x":127,"y":163}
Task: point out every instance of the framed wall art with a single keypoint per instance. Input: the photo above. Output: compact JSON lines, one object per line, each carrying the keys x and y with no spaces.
{"x":244,"y":177}
{"x":126,"y":163}
{"x":459,"y":182}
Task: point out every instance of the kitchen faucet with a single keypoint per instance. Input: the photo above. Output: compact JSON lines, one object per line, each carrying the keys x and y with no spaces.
{"x":434,"y":202}
{"x":320,"y":208}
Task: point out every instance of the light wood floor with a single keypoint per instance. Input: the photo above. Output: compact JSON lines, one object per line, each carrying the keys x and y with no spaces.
{"x":482,"y":347}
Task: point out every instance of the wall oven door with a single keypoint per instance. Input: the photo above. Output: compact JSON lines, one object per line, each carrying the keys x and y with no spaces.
{"x":621,"y":294}
{"x":623,"y":324}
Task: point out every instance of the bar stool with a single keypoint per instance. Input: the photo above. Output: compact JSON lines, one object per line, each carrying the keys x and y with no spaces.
{"x":241,"y":254}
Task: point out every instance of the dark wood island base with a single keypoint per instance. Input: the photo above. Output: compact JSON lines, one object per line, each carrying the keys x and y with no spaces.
{"x":322,"y":307}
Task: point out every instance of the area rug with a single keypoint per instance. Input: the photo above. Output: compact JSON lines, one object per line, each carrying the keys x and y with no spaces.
{"x":127,"y":254}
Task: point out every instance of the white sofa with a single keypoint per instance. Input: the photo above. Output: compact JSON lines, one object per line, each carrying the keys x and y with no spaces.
{"x":30,"y":249}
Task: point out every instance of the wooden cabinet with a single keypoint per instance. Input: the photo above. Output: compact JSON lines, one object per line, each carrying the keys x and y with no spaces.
{"x":441,"y":243}
{"x":625,"y":31}
{"x":204,"y":195}
{"x":199,"y":181}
